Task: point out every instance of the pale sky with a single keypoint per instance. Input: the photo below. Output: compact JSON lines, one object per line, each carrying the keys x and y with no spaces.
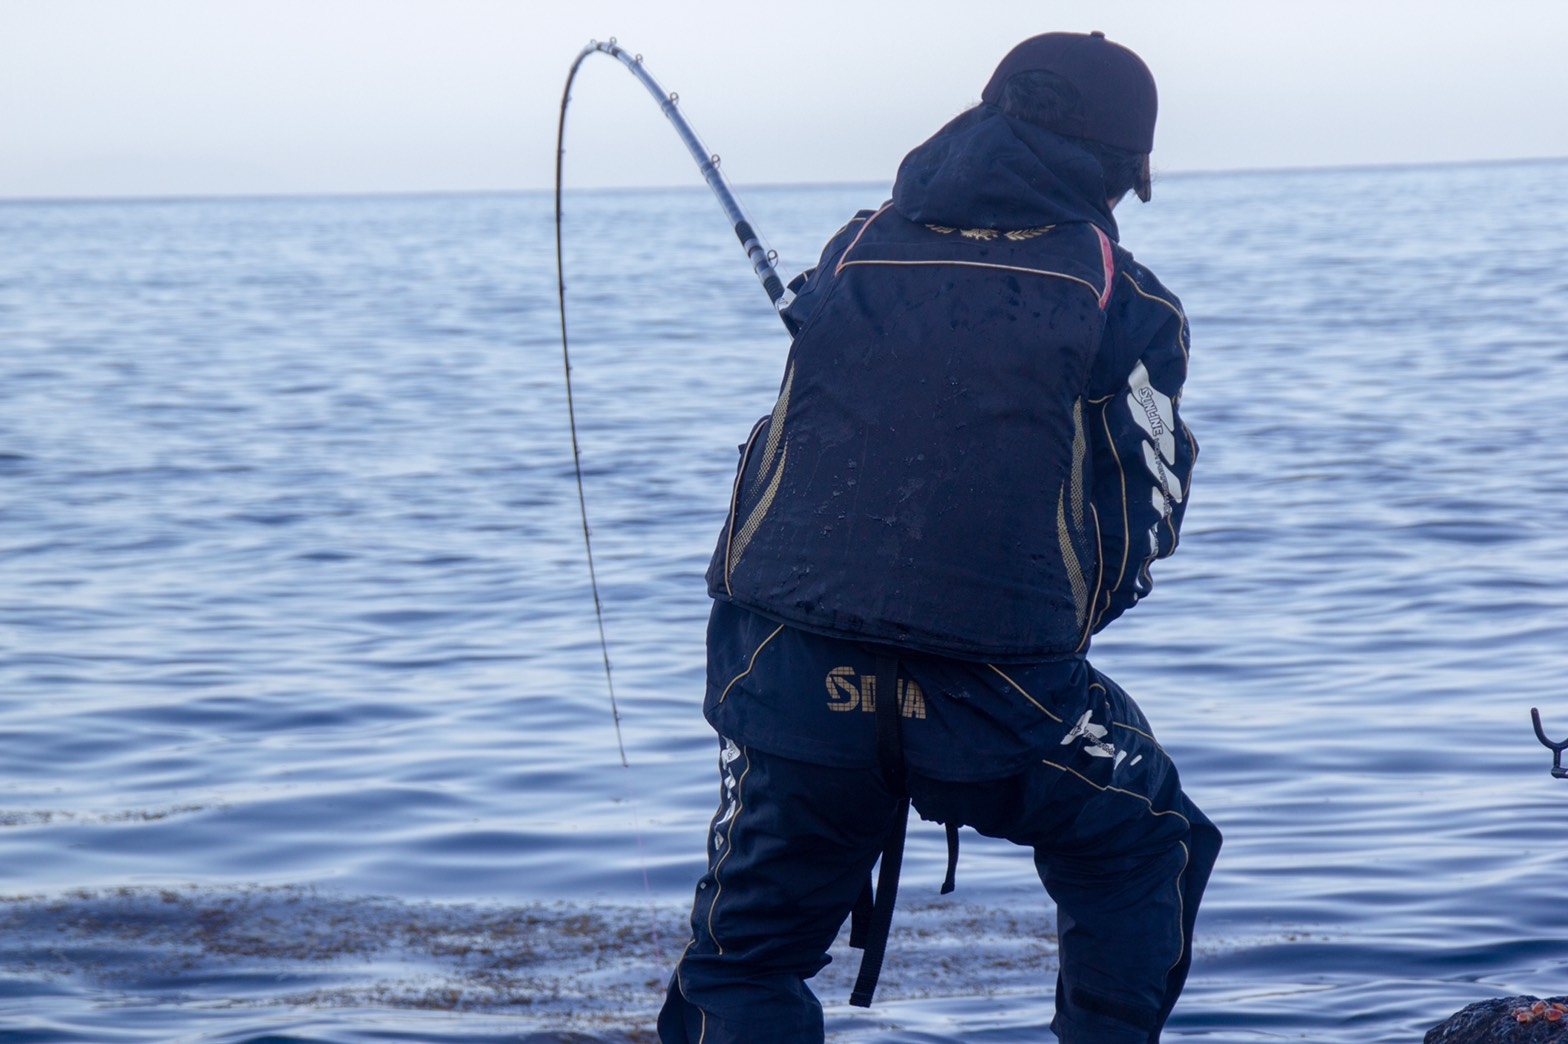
{"x":173,"y":97}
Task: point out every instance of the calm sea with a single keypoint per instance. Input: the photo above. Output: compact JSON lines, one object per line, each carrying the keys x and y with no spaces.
{"x":304,"y":730}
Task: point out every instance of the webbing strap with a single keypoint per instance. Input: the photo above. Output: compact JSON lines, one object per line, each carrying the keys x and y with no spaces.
{"x":873,"y":930}
{"x":890,"y":741}
{"x":950,"y":882}
{"x":882,"y":911}
{"x":860,"y":916}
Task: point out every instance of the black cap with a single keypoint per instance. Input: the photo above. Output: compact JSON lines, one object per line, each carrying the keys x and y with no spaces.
{"x":1119,"y":100}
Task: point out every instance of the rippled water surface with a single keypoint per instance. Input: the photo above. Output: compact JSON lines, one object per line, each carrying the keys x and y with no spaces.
{"x":304,"y":731}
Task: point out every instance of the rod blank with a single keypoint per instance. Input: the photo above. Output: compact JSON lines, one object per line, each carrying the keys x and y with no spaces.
{"x":757,"y":253}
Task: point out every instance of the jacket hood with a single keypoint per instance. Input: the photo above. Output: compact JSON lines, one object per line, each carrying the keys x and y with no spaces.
{"x":985,"y":169}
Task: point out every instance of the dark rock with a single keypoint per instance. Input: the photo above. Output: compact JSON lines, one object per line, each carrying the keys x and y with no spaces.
{"x":1496,"y":1021}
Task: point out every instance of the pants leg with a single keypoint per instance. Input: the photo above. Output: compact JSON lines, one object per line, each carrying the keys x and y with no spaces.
{"x":788,"y":853}
{"x":1123,"y":852}
{"x":1125,"y":926}
{"x":1127,"y":875}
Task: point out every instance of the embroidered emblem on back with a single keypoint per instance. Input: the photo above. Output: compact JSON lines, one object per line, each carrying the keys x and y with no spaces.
{"x":1017,"y":235}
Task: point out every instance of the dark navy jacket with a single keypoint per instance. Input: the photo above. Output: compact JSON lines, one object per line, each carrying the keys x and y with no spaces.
{"x":975,"y":451}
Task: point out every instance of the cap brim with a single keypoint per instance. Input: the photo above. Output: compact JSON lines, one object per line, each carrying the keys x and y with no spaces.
{"x":1143,"y":187}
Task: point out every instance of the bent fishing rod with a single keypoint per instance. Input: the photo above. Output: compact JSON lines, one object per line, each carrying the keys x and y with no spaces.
{"x":763,"y":262}
{"x":762,"y":259}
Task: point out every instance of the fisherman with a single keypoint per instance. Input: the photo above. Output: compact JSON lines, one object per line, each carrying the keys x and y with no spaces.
{"x":974,"y":457}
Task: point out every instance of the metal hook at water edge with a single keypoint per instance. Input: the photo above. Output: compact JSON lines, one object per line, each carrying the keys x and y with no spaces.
{"x":1558,"y":772}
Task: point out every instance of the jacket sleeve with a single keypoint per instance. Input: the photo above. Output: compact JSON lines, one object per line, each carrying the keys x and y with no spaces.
{"x":1142,"y":452}
{"x":811,"y":286}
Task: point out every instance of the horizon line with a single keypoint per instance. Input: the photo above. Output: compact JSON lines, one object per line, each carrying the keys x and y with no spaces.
{"x":241,"y":196}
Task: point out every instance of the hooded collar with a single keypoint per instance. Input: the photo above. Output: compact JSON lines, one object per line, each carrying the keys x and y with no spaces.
{"x":985,"y":169}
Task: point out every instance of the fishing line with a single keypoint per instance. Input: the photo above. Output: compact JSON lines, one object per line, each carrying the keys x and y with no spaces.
{"x":763,"y":264}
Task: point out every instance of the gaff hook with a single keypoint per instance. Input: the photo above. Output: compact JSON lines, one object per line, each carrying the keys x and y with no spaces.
{"x":1558,"y":772}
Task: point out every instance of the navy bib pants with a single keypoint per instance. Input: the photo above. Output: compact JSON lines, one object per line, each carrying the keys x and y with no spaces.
{"x":1123,"y":852}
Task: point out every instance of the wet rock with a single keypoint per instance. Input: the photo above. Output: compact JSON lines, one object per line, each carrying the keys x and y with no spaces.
{"x":1504,"y":1020}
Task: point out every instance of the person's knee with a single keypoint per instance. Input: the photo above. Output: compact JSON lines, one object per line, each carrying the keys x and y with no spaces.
{"x":769,"y":1009}
{"x":1092,"y":1018}
{"x":679,"y":1021}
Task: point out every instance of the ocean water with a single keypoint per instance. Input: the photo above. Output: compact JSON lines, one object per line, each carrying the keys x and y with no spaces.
{"x":304,"y":727}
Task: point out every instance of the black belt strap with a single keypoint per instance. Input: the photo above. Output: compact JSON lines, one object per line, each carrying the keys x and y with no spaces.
{"x":871,"y":926}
